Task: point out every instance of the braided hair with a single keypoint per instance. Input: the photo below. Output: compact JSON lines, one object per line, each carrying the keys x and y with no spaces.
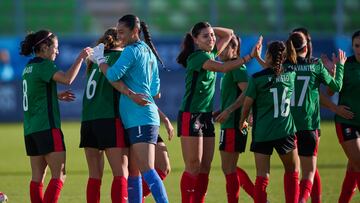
{"x":277,"y":52}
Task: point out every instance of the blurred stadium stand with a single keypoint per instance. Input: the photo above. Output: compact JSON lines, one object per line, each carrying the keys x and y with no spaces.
{"x":177,"y":16}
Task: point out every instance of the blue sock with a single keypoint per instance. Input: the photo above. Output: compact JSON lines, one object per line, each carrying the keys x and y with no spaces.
{"x":135,"y":189}
{"x":156,"y":186}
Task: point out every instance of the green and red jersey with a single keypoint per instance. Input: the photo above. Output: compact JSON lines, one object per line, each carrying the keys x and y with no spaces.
{"x":350,"y":92}
{"x":305,"y":105}
{"x":271,"y":108}
{"x":40,"y":101}
{"x":199,"y":83}
{"x":100,"y":99}
{"x":230,"y":91}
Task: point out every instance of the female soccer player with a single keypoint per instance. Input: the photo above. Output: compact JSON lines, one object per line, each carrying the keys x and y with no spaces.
{"x":305,"y":107}
{"x":348,"y":130}
{"x":44,"y":139}
{"x":268,"y":93}
{"x":162,"y":162}
{"x":195,"y":127}
{"x":340,"y":110}
{"x":232,"y":140}
{"x":137,"y":68}
{"x":101,"y":127}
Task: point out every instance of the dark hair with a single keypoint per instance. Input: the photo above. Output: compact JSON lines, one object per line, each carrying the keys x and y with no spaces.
{"x":356,"y":34}
{"x":188,"y":46}
{"x":308,"y":40}
{"x":277,"y":52}
{"x":295,"y":43}
{"x":132,"y":21}
{"x":235,"y":43}
{"x":109,"y":39}
{"x":33,"y":41}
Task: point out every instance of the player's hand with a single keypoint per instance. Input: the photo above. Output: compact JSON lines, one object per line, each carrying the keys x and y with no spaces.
{"x":329,"y":65}
{"x":169,"y":128}
{"x":256,"y":50}
{"x":215,"y":114}
{"x":223,"y":116}
{"x":250,"y":119}
{"x":67,"y":96}
{"x":329,"y":91}
{"x":243,"y":125}
{"x":344,"y":111}
{"x":342,"y":57}
{"x":86,"y":53}
{"x":98,"y":54}
{"x":139,"y":98}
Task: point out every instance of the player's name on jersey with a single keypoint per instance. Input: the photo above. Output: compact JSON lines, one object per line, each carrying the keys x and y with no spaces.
{"x":27,"y":70}
{"x":308,"y":67}
{"x":280,"y":78}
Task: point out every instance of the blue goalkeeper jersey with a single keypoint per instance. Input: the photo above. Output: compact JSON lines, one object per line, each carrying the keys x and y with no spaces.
{"x":137,"y":68}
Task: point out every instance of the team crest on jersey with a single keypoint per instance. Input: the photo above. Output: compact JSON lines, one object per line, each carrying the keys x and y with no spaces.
{"x":197,"y":125}
{"x":348,"y":131}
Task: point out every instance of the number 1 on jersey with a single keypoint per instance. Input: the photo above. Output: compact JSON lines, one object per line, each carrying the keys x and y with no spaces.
{"x":285,"y":103}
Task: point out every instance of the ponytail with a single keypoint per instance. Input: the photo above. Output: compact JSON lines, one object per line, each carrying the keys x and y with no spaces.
{"x":279,"y":59}
{"x":295,"y":44}
{"x":26,"y":46}
{"x":308,"y":40}
{"x":33,"y":41}
{"x":277,"y":52}
{"x":291,"y":52}
{"x":110,"y":41}
{"x":188,"y":47}
{"x":147,"y":39}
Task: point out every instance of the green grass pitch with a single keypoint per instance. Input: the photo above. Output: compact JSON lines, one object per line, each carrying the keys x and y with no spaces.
{"x":15,"y":169}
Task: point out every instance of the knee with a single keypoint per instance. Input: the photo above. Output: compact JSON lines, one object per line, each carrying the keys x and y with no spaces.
{"x":228,"y":169}
{"x":356,"y":165}
{"x":291,"y":168}
{"x":62,"y":178}
{"x":193,"y":166}
{"x":63,"y":174}
{"x":167,"y":170}
{"x":205,"y":168}
{"x":38,"y":176}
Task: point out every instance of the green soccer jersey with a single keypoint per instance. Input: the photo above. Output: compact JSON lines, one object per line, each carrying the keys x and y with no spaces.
{"x":40,"y":102}
{"x":230,"y":91}
{"x":350,"y":92}
{"x":305,"y":106}
{"x":100,"y":99}
{"x":199,"y":83}
{"x":271,"y":107}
